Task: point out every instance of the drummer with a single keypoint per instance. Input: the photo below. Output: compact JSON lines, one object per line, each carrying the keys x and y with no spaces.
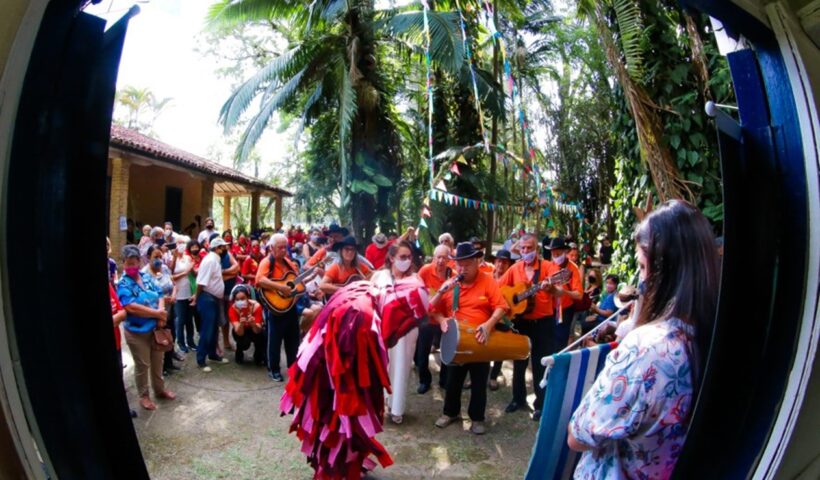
{"x":537,"y":324}
{"x":476,"y":301}
{"x":433,"y":275}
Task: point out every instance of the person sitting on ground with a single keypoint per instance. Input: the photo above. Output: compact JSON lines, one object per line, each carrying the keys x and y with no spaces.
{"x":635,"y":417}
{"x":145,"y":311}
{"x":245,"y":316}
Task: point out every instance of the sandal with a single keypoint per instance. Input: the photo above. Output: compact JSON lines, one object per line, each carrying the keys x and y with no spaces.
{"x":397,"y":419}
{"x":147,"y":404}
{"x":167,"y":395}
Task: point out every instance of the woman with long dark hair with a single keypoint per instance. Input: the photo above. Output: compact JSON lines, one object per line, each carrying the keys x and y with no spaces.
{"x":633,"y":421}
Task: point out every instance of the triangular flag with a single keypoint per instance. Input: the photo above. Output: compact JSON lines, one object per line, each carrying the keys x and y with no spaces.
{"x":441,"y":186}
{"x":461,"y":159}
{"x":470,"y":203}
{"x":425,"y":212}
{"x":454,"y":168}
{"x":422,"y":224}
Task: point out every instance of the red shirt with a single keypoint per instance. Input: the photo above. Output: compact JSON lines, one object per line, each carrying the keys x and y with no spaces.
{"x":376,"y":255}
{"x":116,"y":306}
{"x":249,"y":269}
{"x":235,"y":315}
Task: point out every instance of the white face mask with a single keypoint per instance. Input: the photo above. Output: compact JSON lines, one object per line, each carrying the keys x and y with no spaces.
{"x":559,"y":260}
{"x":528,"y":257}
{"x":240,"y":304}
{"x":403,"y":265}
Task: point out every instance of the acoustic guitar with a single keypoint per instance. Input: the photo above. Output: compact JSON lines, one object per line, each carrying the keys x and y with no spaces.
{"x":281,"y":303}
{"x":519,"y":296}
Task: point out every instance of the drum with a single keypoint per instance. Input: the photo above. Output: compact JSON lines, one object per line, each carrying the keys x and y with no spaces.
{"x":459,"y":346}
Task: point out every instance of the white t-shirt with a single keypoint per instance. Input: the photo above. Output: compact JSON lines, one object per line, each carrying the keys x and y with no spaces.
{"x":184,"y":262}
{"x":383,"y":279}
{"x":203,"y":235}
{"x":210,"y":275}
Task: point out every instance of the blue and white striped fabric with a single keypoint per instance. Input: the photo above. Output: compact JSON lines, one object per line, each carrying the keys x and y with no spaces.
{"x":570,"y":377}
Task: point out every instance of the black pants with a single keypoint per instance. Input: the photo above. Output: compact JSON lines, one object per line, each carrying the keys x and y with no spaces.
{"x":478,"y":390}
{"x":561,"y":331}
{"x":496,"y":370}
{"x":282,"y":328}
{"x":540,"y":333}
{"x":244,"y":341}
{"x":427,"y":335}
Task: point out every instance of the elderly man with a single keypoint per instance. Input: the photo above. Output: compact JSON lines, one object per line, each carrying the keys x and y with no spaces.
{"x":210,"y":289}
{"x":479,"y":303}
{"x":537,"y":322}
{"x":376,"y":252}
{"x":433,"y":275}
{"x":281,"y":327}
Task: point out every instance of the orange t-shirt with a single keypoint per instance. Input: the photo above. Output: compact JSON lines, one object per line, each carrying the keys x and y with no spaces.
{"x":543,"y":301}
{"x":476,"y":302}
{"x":486,"y":268}
{"x":317,"y":257}
{"x":234,"y":314}
{"x":574,"y":284}
{"x":430,"y":278}
{"x":279,"y":270}
{"x":339,"y":274}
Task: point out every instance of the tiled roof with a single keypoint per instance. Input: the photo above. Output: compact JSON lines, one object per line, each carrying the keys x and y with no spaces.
{"x":135,"y":142}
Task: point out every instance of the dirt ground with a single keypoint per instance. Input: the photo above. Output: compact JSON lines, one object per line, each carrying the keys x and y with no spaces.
{"x":226,"y":424}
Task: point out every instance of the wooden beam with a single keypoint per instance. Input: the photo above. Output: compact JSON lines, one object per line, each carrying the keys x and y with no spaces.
{"x":226,"y":212}
{"x":254,"y":211}
{"x":277,"y":212}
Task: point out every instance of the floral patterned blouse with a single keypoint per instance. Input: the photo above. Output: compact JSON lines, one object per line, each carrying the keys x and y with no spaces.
{"x":636,"y":413}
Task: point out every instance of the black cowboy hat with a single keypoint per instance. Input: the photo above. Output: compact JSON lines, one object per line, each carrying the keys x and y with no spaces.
{"x":557,"y":243}
{"x":502,"y":254}
{"x":335,"y":228}
{"x":465,"y":250}
{"x":348,"y":241}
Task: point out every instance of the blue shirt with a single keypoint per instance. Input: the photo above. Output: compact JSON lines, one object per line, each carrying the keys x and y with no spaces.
{"x":130,"y":292}
{"x":607,"y":303}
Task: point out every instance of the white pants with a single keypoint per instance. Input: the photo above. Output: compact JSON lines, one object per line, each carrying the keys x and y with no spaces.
{"x":400,"y":359}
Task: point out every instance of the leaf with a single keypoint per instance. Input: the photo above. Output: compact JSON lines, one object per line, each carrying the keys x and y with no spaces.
{"x":357,"y":186}
{"x":693,"y":157}
{"x":630,"y":26}
{"x":714,"y":212}
{"x":381,"y":180}
{"x":674,"y":141}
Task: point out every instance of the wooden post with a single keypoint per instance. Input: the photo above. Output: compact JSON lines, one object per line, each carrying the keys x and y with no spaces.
{"x":254,"y":211}
{"x":277,"y":212}
{"x":226,"y":212}
{"x":207,"y":199}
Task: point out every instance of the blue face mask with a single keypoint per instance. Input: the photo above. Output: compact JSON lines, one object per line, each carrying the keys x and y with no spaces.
{"x":641,"y":287}
{"x":528,"y":257}
{"x":157,"y":264}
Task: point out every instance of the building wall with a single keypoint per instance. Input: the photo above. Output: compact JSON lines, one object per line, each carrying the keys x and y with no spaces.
{"x":146,"y":195}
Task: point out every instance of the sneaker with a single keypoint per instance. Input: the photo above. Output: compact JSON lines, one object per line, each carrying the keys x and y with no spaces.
{"x":219,"y":359}
{"x":178,"y":357}
{"x":478,"y":428}
{"x":423,"y":388}
{"x":240,"y":357}
{"x":276,"y":376}
{"x":207,"y":369}
{"x":445,"y":420}
{"x":536,"y":416}
{"x":132,"y":412}
{"x":183,"y":349}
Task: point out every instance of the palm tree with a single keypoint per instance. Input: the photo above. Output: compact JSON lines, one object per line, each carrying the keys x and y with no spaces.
{"x":141,"y":107}
{"x":334,"y":65}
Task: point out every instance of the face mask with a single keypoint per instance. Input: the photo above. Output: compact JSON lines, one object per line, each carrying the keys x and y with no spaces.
{"x":403,"y":265}
{"x":591,"y":279}
{"x":641,"y":288}
{"x":240,"y":304}
{"x":168,"y":232}
{"x":157,"y":264}
{"x":132,"y":271}
{"x":256,"y":250}
{"x":314,"y":238}
{"x":528,"y":257}
{"x":560,"y":260}
{"x":194,"y":253}
{"x":209,"y":227}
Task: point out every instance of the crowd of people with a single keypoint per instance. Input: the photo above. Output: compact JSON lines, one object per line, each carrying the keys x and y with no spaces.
{"x":262,"y":292}
{"x":209,"y":293}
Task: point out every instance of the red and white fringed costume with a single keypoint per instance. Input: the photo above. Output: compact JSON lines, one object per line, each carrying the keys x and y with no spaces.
{"x":336,"y":386}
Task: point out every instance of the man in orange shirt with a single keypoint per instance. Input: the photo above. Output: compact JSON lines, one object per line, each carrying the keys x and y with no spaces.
{"x":433,"y":275}
{"x":338,"y":274}
{"x":334,"y":233}
{"x":502,"y":261}
{"x":484,"y":266}
{"x":477,"y":301}
{"x":281,"y":327}
{"x":537,"y":323}
{"x":566,"y":295}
